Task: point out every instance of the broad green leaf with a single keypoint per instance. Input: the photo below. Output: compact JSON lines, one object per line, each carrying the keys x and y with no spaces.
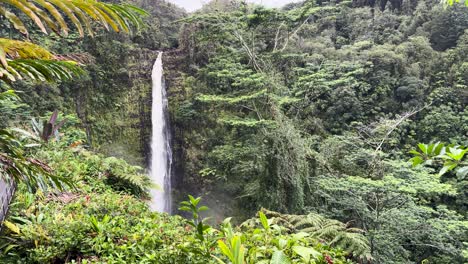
{"x":264,"y":220}
{"x":423,"y":148}
{"x":448,"y":166}
{"x":306,"y":252}
{"x":238,"y":250}
{"x":439,"y":147}
{"x":185,"y":208}
{"x":282,"y":243}
{"x":462,"y":172}
{"x":416,"y":160}
{"x":14,"y":228}
{"x":203,"y":208}
{"x":279,"y":258}
{"x":225,"y":250}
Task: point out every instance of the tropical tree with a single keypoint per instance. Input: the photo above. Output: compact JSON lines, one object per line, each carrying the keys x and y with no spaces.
{"x":22,"y":59}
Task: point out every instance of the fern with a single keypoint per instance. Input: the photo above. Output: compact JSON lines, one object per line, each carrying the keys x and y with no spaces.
{"x":333,"y":232}
{"x":125,"y":177}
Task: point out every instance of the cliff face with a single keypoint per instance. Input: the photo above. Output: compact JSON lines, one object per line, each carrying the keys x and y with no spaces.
{"x":114,"y":103}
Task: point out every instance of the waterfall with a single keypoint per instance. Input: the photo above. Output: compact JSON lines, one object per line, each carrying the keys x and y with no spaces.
{"x":161,"y":156}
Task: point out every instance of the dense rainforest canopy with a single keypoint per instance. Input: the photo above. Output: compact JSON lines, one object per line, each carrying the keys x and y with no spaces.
{"x":321,"y":132}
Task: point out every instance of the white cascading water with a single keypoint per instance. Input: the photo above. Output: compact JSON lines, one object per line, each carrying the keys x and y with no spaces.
{"x":161,"y":156}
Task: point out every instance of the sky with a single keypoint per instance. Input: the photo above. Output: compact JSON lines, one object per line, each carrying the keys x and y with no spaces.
{"x":191,"y":5}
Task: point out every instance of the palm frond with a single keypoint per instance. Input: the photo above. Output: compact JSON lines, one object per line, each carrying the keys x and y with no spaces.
{"x":22,"y":59}
{"x":16,"y":167}
{"x":52,"y":14}
{"x":14,"y":20}
{"x":42,"y":70}
{"x":25,"y":8}
{"x":17,"y":49}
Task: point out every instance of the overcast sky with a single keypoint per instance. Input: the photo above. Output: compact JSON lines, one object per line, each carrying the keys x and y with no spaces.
{"x":191,"y":5}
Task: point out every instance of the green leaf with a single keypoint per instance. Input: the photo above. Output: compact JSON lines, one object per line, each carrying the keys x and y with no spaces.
{"x":457,"y":153}
{"x":462,"y":172}
{"x":225,"y":250}
{"x":423,"y":148}
{"x":264,"y":220}
{"x":448,"y":166}
{"x":14,"y":228}
{"x":203,"y":208}
{"x":279,"y":258}
{"x":439,"y":147}
{"x":282,"y":243}
{"x":306,"y":252}
{"x":185,"y":208}
{"x":238,"y":250}
{"x":416,"y":161}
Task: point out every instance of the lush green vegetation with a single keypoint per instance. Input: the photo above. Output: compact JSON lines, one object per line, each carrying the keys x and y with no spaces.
{"x":103,"y":221}
{"x":314,"y":108}
{"x":330,"y":131}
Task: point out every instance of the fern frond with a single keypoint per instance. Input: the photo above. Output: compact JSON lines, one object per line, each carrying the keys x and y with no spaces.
{"x":333,"y":232}
{"x":126,"y":177}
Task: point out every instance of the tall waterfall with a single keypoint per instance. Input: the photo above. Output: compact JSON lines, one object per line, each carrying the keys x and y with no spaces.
{"x":161,"y":155}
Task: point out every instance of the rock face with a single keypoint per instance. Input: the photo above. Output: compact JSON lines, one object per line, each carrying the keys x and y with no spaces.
{"x":175,"y":63}
{"x":114,"y":105}
{"x":6,"y":193}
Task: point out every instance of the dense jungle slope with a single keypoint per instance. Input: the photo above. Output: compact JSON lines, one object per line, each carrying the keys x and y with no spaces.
{"x":314,"y":108}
